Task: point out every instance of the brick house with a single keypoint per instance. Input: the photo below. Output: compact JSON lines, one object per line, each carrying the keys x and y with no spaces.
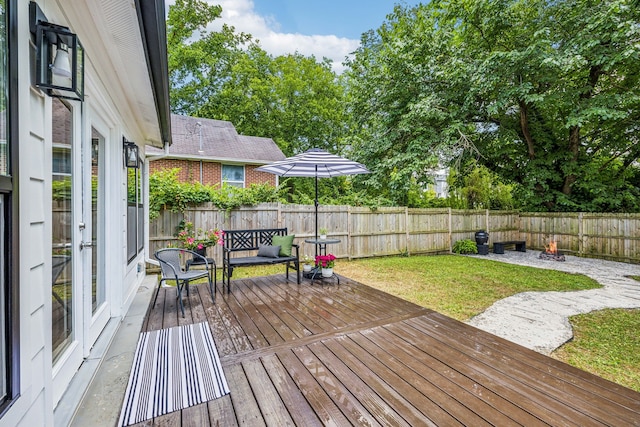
{"x":212,"y":152}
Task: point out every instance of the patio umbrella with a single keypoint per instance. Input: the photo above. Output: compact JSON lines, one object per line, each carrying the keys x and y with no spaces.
{"x":315,"y":163}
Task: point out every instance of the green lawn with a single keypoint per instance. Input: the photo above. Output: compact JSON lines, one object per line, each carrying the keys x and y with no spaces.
{"x":455,"y":285}
{"x":607,"y":344}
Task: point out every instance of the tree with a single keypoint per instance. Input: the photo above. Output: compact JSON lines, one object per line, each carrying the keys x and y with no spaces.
{"x":199,"y":61}
{"x":545,"y":94}
{"x":295,"y":100}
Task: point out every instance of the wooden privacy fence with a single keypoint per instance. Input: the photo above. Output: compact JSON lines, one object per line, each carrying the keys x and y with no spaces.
{"x":364,"y":232}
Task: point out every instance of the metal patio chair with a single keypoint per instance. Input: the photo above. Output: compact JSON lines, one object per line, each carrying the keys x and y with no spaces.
{"x":172,"y":270}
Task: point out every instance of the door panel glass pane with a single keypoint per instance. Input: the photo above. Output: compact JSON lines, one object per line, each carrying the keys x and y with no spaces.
{"x":61,"y":262}
{"x":97,"y":286}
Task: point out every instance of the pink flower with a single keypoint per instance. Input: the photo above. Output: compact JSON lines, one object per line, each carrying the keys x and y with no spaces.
{"x":197,"y":239}
{"x":326,"y":261}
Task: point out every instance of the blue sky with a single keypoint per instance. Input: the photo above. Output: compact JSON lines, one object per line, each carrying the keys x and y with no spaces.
{"x":329,"y":28}
{"x":343,"y":18}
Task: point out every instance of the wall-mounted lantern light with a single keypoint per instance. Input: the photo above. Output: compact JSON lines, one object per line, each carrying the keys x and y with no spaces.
{"x":59,"y":57}
{"x":130,"y":154}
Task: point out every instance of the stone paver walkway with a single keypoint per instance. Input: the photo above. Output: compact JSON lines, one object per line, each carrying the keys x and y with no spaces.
{"x":540,"y":320}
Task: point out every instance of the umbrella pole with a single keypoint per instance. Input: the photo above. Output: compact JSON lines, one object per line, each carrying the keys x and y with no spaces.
{"x":316,"y":204}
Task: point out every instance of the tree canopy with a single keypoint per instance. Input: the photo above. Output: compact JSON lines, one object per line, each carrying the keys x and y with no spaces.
{"x":538,"y":99}
{"x":545,"y":94}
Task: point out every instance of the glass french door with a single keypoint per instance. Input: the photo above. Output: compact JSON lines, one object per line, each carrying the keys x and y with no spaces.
{"x":96,"y":306}
{"x":79,"y":301}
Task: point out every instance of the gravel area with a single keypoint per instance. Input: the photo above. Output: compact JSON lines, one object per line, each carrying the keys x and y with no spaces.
{"x":540,"y":320}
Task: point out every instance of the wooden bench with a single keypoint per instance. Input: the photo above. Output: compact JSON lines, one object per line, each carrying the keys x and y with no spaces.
{"x":520,"y":246}
{"x":251,"y":241}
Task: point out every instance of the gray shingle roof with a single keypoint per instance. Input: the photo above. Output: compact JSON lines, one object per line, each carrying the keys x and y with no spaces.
{"x":216,"y":140}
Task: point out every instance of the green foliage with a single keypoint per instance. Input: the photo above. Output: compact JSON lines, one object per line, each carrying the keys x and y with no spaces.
{"x":479,"y":188}
{"x":199,"y":60}
{"x":61,"y":189}
{"x":229,"y":197}
{"x":166,"y":192}
{"x":465,"y":246}
{"x":549,"y":104}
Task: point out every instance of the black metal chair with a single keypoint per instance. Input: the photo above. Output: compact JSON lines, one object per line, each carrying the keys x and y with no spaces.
{"x":172,"y":269}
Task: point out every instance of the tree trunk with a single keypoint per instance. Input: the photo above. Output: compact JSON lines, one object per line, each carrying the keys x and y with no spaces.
{"x":574,"y":148}
{"x":574,"y":132}
{"x":524,"y":127}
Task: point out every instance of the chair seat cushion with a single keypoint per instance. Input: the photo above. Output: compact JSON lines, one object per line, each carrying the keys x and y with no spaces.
{"x":256,"y":260}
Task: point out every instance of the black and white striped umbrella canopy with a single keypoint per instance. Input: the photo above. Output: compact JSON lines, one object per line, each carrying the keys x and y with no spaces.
{"x":315,"y":163}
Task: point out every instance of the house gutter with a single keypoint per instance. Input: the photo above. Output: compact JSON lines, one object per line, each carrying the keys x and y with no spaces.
{"x":212,"y":159}
{"x":151,"y":18}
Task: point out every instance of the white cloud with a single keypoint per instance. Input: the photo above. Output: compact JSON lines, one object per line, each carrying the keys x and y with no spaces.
{"x":241,"y":15}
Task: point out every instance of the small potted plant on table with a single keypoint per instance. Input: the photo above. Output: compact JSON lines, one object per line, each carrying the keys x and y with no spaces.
{"x":323,"y":233}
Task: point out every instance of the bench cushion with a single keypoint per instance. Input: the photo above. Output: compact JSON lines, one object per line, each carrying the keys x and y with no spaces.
{"x":269,"y":251}
{"x":285,"y":243}
{"x":256,"y":260}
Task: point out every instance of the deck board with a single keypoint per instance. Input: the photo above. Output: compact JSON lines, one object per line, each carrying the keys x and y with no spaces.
{"x":328,"y":354}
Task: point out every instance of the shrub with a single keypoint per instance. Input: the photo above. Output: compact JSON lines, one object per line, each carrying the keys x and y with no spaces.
{"x":465,"y":246}
{"x":166,"y":192}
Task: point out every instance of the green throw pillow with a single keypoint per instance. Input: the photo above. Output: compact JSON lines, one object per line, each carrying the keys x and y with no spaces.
{"x":285,"y":243}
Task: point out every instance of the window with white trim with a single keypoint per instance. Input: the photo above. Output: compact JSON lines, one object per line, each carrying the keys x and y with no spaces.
{"x":233,"y":175}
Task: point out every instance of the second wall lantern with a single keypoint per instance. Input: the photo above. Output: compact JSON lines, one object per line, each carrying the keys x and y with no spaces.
{"x":59,"y":57}
{"x":131,"y":159}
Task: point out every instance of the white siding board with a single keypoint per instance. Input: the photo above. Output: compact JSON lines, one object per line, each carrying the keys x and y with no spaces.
{"x":36,"y":301}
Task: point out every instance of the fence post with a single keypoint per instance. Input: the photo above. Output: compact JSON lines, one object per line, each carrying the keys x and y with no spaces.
{"x":450,"y":232}
{"x":349,"y":231}
{"x":580,"y":233}
{"x":406,"y":227}
{"x":486,"y":220}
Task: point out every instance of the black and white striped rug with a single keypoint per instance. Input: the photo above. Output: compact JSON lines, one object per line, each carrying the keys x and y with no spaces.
{"x":172,"y":369}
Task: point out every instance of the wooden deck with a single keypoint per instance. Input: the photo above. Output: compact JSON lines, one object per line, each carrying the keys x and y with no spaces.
{"x":325,"y":354}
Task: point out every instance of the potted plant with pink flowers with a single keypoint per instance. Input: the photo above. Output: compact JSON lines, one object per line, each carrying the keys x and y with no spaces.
{"x":326,"y":262}
{"x":197,"y":239}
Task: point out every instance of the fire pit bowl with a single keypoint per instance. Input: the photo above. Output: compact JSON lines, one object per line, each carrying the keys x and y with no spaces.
{"x":551,"y":253}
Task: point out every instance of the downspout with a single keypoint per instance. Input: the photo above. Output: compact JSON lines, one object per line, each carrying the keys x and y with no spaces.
{"x":147,"y":257}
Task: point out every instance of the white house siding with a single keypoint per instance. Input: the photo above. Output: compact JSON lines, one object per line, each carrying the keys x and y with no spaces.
{"x":117,"y":112}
